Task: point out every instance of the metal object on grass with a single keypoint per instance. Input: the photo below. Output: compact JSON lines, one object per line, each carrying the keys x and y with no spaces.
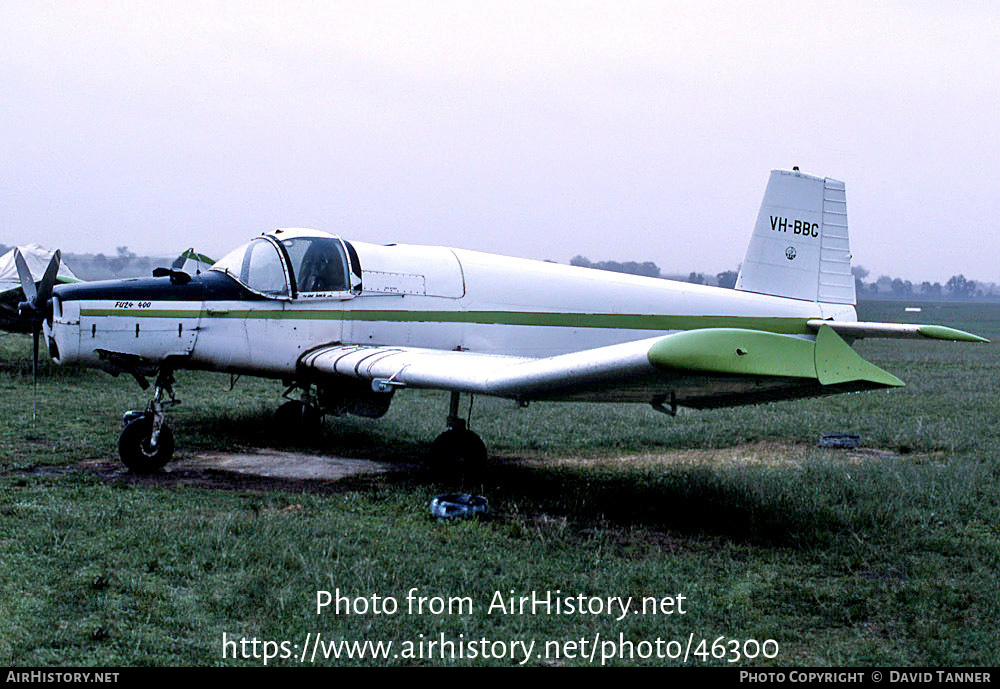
{"x":458,"y":505}
{"x":840,"y":441}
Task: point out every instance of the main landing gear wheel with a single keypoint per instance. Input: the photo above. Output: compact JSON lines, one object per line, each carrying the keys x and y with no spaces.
{"x":457,"y":452}
{"x":136,"y":449}
{"x":296,"y":419}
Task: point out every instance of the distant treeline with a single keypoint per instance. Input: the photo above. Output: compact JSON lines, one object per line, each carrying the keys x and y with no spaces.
{"x":885,"y":287}
{"x":956,"y":287}
{"x":727,"y":278}
{"x":122,"y":264}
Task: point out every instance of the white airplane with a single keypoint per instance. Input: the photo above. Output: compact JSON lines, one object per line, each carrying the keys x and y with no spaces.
{"x":347,"y":324}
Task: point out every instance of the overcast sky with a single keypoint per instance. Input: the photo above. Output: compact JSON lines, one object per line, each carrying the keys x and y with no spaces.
{"x":616,"y":130}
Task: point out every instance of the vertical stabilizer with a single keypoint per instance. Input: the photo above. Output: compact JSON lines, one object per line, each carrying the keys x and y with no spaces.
{"x":799,"y":247}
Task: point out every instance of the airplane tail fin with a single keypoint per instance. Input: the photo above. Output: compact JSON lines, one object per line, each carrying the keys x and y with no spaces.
{"x":799,"y":247}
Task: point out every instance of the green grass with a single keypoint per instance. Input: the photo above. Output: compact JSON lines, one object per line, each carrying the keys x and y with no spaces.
{"x":879,"y":559}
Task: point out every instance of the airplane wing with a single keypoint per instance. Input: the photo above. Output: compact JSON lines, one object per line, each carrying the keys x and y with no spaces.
{"x":705,"y":368}
{"x":191,"y":262}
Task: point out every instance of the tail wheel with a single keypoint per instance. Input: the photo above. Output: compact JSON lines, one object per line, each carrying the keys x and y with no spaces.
{"x":136,"y":451}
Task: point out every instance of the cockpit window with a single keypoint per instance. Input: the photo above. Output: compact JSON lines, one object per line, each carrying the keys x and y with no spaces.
{"x":318,"y":263}
{"x":258,"y":266}
{"x":232,"y":262}
{"x":263,"y":270}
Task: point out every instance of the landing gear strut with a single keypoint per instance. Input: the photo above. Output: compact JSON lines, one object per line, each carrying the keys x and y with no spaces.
{"x":146,"y":442}
{"x":458,"y":450}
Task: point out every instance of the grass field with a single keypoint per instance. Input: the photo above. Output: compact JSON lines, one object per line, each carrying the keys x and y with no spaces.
{"x":889,"y":556}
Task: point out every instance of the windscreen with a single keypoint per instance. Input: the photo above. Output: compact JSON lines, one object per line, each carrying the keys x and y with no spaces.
{"x":257,"y":265}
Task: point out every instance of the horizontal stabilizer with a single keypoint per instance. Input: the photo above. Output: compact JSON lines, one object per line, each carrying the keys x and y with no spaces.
{"x":855,"y":329}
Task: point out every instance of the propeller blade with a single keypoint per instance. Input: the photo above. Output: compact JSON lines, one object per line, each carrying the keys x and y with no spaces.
{"x":34,"y":373}
{"x":37,"y":301}
{"x":48,"y":281}
{"x":24,"y":275}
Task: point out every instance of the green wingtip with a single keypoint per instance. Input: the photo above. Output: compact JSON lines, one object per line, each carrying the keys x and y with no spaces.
{"x":942,"y":332}
{"x":733,"y":351}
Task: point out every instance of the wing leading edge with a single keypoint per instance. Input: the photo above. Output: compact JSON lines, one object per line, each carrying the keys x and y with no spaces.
{"x":710,"y":367}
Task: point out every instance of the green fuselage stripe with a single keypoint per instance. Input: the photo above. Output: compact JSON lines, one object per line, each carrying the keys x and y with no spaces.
{"x":790,"y":326}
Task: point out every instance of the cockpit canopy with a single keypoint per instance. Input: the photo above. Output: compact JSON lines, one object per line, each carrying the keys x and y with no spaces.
{"x":320,"y":263}
{"x":290,"y":264}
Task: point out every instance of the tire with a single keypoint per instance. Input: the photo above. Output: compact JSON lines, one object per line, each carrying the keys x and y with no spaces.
{"x":458,"y":453}
{"x":133,"y":446}
{"x":297,"y":420}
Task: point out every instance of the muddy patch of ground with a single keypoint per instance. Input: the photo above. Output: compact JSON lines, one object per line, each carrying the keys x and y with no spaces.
{"x":280,"y":464}
{"x":262,"y":469}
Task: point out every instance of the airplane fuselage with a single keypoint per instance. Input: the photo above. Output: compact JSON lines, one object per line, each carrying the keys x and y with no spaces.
{"x":429,"y":297}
